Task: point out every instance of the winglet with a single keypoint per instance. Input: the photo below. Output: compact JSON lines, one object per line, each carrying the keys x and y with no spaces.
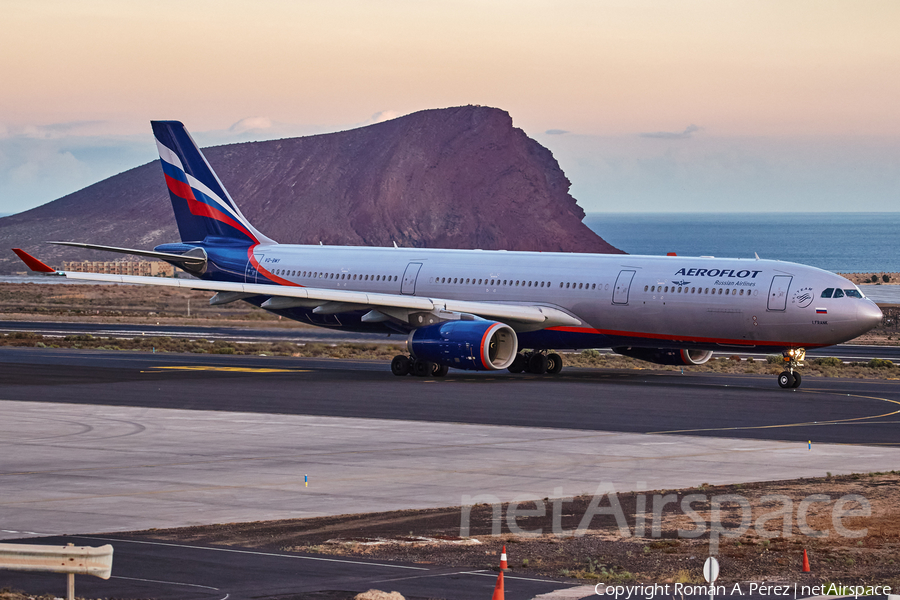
{"x":33,"y":263}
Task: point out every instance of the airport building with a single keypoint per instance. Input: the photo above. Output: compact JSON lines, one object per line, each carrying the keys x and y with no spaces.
{"x":147,"y":268}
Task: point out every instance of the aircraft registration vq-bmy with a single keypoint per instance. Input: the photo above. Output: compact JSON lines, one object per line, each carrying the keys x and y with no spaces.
{"x":474,"y":309}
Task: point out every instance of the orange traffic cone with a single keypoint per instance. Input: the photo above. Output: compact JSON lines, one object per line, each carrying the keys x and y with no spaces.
{"x":503,"y":565}
{"x":805,"y":562}
{"x":498,"y":589}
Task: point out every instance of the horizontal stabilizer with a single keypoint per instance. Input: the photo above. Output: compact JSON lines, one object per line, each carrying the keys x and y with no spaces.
{"x":187,"y":260}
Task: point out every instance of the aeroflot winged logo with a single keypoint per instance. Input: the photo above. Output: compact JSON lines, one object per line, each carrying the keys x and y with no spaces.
{"x":742,"y":274}
{"x":681,"y":283}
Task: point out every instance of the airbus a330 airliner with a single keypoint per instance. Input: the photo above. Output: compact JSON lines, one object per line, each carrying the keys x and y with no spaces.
{"x":473,"y":309}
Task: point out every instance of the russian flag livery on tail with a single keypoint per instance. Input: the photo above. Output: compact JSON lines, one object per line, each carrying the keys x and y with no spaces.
{"x":202,"y":206}
{"x":468,"y":309}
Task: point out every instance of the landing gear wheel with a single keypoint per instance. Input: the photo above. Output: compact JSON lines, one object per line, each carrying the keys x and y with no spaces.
{"x":423,"y":368}
{"x":786,"y":379}
{"x":440,"y":370}
{"x":401,"y":365}
{"x":793,"y":358}
{"x":538,"y":363}
{"x":555,"y":363}
{"x":518,"y":364}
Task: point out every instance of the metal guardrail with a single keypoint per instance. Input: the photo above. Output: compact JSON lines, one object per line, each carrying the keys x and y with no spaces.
{"x":71,"y":560}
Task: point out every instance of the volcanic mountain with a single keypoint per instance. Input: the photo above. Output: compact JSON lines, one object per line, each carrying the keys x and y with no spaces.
{"x":460,"y":177}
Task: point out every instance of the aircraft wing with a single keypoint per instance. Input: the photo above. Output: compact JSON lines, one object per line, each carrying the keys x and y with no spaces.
{"x":533,"y":315}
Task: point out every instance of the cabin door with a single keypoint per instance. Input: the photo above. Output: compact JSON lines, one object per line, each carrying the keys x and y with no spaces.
{"x":250,"y":273}
{"x":778,"y":292}
{"x":623,"y":287}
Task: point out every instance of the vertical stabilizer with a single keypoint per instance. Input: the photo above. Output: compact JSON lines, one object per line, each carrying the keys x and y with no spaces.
{"x":202,"y":205}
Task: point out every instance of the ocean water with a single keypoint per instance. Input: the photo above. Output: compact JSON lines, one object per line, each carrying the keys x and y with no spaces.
{"x":838,"y":242}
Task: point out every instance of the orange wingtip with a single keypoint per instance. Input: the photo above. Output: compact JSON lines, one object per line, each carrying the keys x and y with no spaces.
{"x":33,"y":263}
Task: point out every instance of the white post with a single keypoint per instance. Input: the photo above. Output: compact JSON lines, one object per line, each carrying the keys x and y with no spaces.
{"x":70,"y":583}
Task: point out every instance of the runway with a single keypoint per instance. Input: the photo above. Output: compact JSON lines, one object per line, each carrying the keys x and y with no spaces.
{"x":164,"y":571}
{"x":303,"y":335}
{"x":139,"y":430}
{"x":634,"y":401}
{"x":114,"y":441}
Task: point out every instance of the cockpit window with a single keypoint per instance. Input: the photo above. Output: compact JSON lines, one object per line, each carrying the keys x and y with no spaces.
{"x":853,"y":294}
{"x":828,"y":292}
{"x":838,"y":293}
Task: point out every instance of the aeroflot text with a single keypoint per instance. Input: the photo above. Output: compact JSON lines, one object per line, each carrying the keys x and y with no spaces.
{"x":717,"y":273}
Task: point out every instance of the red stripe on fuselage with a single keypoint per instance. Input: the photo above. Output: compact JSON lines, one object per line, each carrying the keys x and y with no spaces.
{"x":265,"y":273}
{"x":682,"y":338}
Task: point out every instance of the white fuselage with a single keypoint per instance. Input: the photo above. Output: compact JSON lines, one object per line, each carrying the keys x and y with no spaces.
{"x":652,"y":301}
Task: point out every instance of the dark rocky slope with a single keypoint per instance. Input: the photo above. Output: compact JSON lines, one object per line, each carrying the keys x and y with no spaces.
{"x":459,"y":177}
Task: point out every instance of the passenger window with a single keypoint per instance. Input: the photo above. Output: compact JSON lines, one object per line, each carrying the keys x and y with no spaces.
{"x":838,"y":293}
{"x":568,"y":285}
{"x":646,"y":288}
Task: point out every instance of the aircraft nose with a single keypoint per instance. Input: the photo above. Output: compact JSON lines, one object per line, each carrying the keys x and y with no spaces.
{"x":868,"y":314}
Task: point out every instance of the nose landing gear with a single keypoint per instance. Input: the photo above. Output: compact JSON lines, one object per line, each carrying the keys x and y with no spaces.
{"x":537,"y":363}
{"x":794,"y":358}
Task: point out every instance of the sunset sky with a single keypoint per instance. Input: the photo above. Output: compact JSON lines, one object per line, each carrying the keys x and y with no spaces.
{"x":649,"y":106}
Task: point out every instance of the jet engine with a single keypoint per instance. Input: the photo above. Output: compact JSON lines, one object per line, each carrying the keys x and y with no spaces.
{"x":472,"y":345}
{"x":666,"y":356}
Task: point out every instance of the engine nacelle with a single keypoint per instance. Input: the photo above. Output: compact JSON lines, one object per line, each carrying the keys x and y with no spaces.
{"x":666,"y":356}
{"x":472,"y":345}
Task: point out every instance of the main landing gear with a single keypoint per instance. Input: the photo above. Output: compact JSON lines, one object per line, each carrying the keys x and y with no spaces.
{"x":794,"y":358}
{"x":406,"y":365}
{"x":537,"y":363}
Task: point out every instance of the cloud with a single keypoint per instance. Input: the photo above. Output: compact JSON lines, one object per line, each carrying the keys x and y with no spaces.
{"x":384,"y":115}
{"x":672,"y":135}
{"x":251,"y":124}
{"x":556,"y":132}
{"x":36,"y":168}
{"x":54,"y":131}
